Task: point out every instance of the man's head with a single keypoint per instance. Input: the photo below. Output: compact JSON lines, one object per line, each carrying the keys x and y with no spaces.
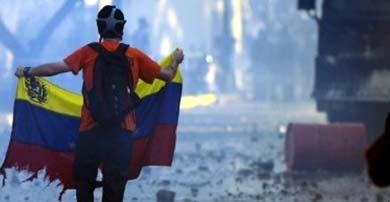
{"x":110,"y":22}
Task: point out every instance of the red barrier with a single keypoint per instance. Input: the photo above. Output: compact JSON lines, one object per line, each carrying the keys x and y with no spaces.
{"x":331,"y":147}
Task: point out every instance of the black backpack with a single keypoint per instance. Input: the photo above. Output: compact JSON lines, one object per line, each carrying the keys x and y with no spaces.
{"x":112,"y":95}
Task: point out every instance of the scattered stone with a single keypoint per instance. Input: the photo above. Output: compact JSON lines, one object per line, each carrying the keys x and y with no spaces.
{"x":284,"y":192}
{"x":263,"y":175}
{"x":287,"y":184}
{"x":198,"y":184}
{"x":134,"y":199}
{"x":254,"y":139}
{"x":164,"y":183}
{"x":203,"y":168}
{"x":278,"y":179}
{"x":266,"y":166}
{"x":219,"y":158}
{"x":219,"y":182}
{"x":194,"y":192}
{"x":245,"y":172}
{"x":379,"y":198}
{"x":364,"y":199}
{"x":314,"y":185}
{"x":271,"y":146}
{"x":317,"y":197}
{"x":265,"y":186}
{"x":165,"y":196}
{"x":304,"y":184}
{"x":179,"y":171}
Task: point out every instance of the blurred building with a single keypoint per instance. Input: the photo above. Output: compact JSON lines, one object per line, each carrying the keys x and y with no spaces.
{"x":222,"y":46}
{"x":279,"y":42}
{"x":252,"y":48}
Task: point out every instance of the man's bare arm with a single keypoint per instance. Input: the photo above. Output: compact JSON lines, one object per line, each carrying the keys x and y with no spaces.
{"x":48,"y":69}
{"x":167,"y":74}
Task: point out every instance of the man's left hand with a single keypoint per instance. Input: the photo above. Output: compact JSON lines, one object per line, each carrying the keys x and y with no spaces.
{"x":19,"y":72}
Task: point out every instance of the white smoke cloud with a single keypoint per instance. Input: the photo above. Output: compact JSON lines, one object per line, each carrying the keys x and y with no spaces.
{"x":377,"y":86}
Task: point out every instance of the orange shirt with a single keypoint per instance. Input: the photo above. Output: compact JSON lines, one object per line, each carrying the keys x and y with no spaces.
{"x":84,"y":59}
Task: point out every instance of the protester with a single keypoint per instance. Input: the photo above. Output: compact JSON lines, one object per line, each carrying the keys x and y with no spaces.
{"x":111,"y":70}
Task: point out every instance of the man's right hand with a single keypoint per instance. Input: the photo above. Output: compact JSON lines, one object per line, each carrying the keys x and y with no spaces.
{"x":19,"y":71}
{"x":167,"y":74}
{"x":178,"y":56}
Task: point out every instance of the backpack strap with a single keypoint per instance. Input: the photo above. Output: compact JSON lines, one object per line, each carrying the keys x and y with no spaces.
{"x":122,"y":48}
{"x":97,"y":47}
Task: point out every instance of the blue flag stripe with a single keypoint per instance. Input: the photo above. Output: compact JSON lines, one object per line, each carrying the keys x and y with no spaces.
{"x":162,"y":107}
{"x":42,"y":127}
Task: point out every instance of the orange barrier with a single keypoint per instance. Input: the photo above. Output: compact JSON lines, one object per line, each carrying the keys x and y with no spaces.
{"x":331,"y":147}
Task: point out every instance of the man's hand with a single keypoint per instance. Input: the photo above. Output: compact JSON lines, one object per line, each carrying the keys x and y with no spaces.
{"x":178,"y":56}
{"x":167,"y":74}
{"x":19,"y":71}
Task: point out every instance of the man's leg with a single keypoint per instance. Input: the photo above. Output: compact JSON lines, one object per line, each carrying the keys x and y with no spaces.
{"x":116,"y":165}
{"x":85,"y":166}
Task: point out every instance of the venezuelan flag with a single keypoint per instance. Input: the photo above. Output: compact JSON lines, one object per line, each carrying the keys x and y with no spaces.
{"x":47,"y":118}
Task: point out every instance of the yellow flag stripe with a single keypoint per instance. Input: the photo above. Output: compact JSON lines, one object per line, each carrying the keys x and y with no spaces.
{"x":58,"y":99}
{"x":144,"y":89}
{"x":65,"y":102}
